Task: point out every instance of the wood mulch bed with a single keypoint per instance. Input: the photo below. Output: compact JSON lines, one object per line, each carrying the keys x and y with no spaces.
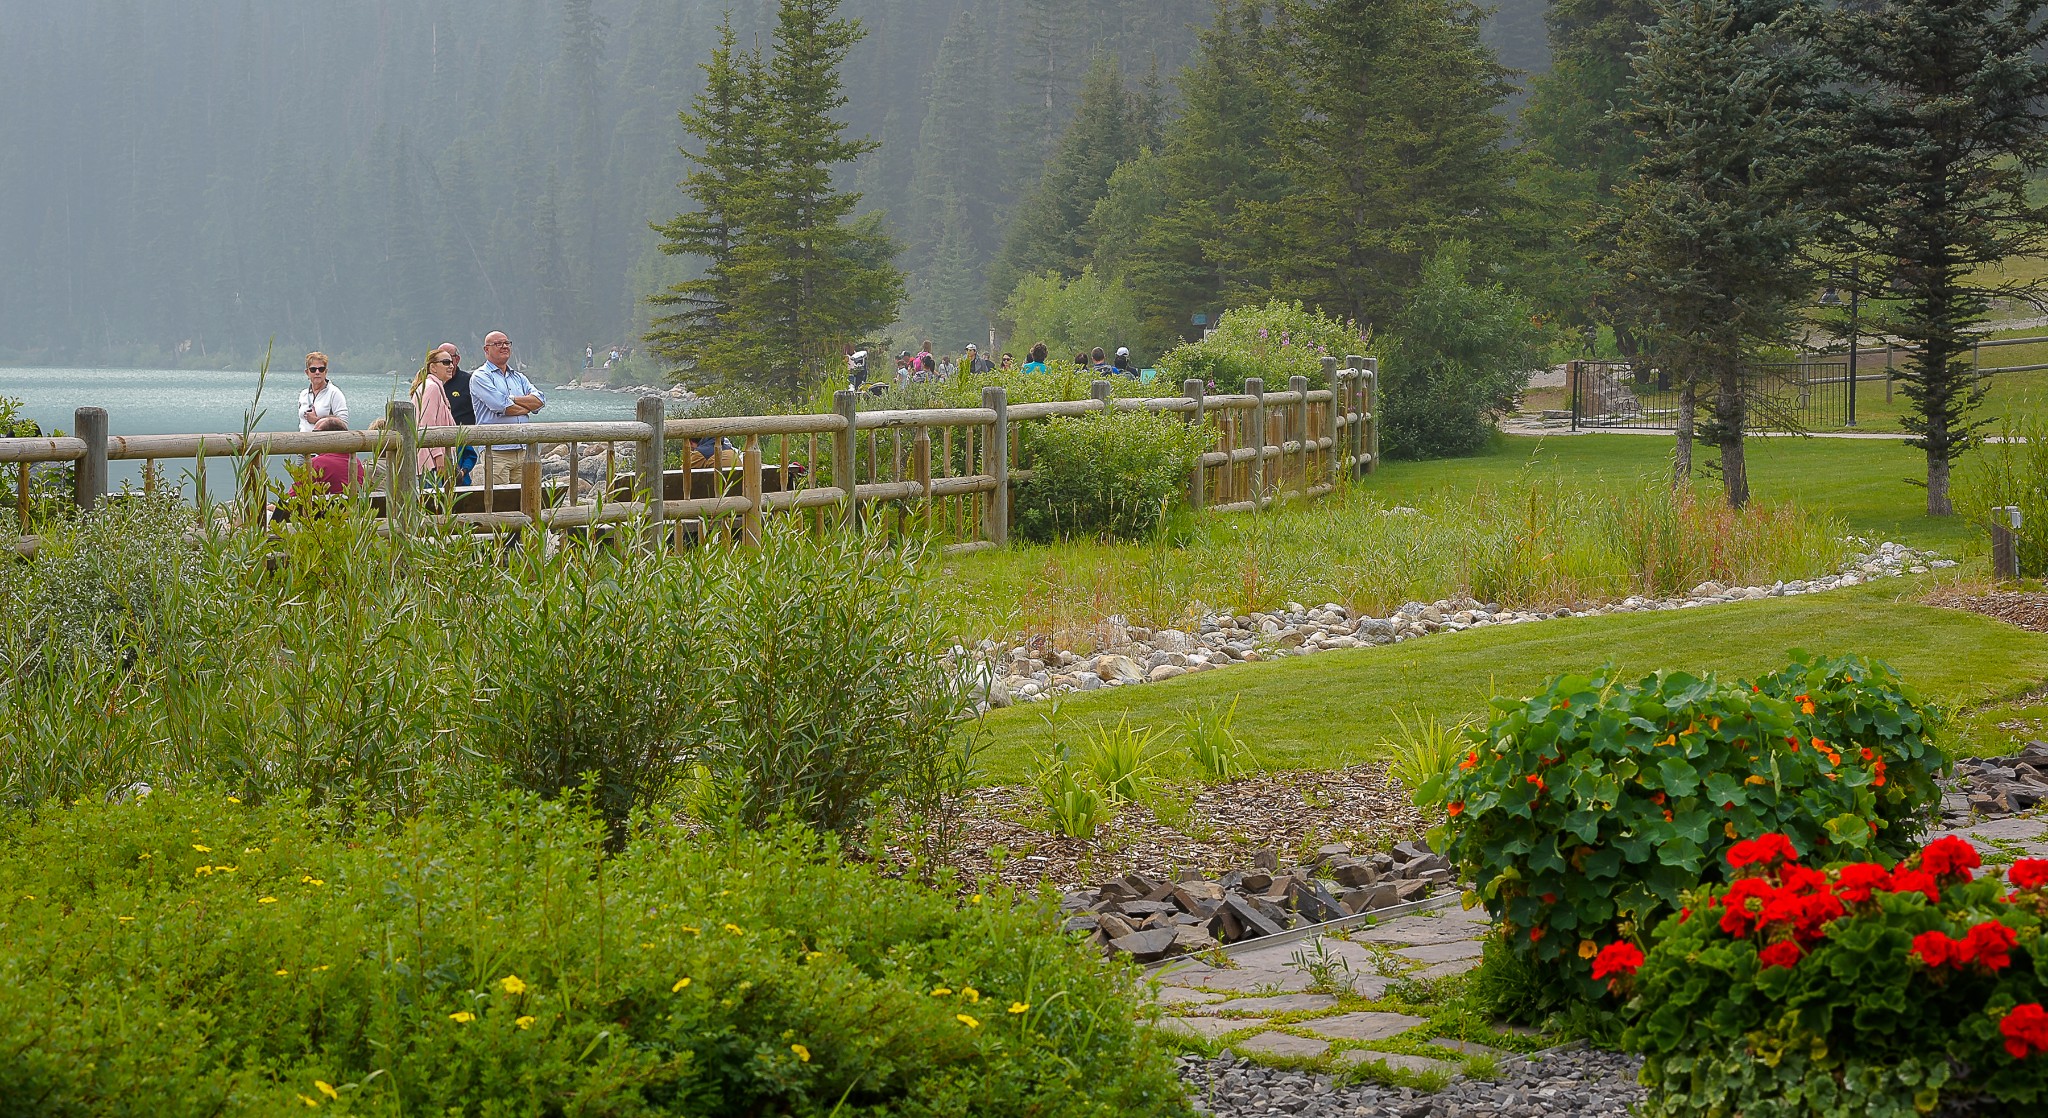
{"x":1005,"y":833}
{"x":2028,"y":610}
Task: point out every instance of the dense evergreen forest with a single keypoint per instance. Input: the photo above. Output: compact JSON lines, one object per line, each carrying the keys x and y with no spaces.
{"x":183,"y":183}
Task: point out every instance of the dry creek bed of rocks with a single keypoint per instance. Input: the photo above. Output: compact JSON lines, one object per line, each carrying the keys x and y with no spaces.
{"x":1571,"y":1082}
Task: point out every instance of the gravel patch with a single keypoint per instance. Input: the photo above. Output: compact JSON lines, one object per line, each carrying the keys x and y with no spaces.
{"x":1571,"y":1082}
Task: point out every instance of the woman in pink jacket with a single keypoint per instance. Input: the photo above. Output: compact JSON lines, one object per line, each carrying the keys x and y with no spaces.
{"x":430,"y":397}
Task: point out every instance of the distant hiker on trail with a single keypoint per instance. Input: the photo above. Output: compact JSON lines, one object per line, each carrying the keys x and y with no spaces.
{"x":1009,"y":361}
{"x":320,"y":399}
{"x":903,"y":372}
{"x":589,"y":358}
{"x":430,"y":397}
{"x":1036,"y":362}
{"x":972,"y":363}
{"x":1101,"y":363}
{"x":503,"y":395}
{"x":334,"y":471}
{"x":1123,"y":363}
{"x":927,"y":363}
{"x":857,"y":369}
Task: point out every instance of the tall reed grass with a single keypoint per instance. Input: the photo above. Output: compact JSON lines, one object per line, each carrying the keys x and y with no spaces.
{"x":806,"y":679}
{"x":1529,"y":544}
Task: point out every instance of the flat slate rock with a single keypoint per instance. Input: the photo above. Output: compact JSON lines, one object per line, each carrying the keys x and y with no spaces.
{"x":1427,"y":953}
{"x":1282,"y":1044}
{"x":1182,"y":995}
{"x":1468,"y":1048}
{"x":1397,"y":1061}
{"x":1275,"y":1003}
{"x":1366,"y":1025}
{"x":1203,"y":1028}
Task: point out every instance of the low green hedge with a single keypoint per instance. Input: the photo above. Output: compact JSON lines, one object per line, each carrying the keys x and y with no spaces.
{"x":1107,"y":476}
{"x":1582,"y":814}
{"x":188,"y":955}
{"x":1863,"y":989}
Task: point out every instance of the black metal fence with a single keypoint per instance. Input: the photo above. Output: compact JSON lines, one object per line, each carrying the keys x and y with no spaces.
{"x":1790,"y":396}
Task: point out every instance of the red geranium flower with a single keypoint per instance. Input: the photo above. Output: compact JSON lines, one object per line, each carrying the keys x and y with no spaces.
{"x":1937,"y":950}
{"x":1743,"y":903}
{"x":1915,"y":881}
{"x":2025,"y":1030}
{"x":1857,"y":879}
{"x":1456,"y":809}
{"x":1949,"y":856}
{"x":2028,"y":873}
{"x":1781,"y":954}
{"x":1992,"y":943}
{"x":1617,"y":959}
{"x":1762,"y":849}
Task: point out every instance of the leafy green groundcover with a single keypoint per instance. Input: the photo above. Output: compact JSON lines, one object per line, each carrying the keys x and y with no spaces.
{"x":1861,"y":989}
{"x":1583,"y":813}
{"x":188,"y":954}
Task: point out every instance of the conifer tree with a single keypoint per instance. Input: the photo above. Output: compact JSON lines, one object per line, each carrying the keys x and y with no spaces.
{"x":1388,"y":136}
{"x":1707,"y":232}
{"x":1944,"y":124}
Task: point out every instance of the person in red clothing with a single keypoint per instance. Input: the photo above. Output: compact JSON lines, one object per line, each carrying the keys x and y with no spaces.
{"x":334,"y":471}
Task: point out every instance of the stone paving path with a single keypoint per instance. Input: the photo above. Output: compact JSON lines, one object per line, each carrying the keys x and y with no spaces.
{"x":1269,"y":1003}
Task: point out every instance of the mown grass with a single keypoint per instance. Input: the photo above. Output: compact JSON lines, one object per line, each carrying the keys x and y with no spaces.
{"x":1338,"y":708}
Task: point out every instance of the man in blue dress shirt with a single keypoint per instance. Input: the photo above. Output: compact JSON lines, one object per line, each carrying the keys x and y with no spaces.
{"x":502,"y":394}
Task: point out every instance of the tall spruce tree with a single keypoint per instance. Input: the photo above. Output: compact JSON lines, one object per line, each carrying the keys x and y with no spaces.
{"x":957,"y":193}
{"x":790,"y":277}
{"x":1707,"y":231}
{"x":1390,"y":143}
{"x":1944,"y":124}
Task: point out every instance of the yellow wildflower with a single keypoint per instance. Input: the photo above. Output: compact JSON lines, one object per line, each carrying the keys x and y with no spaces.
{"x":233,"y":800}
{"x":524,"y":1022}
{"x":681,"y":985}
{"x":327,"y":1088}
{"x":971,"y":994}
{"x":280,"y":972}
{"x":735,"y":929}
{"x":124,"y":919}
{"x":462,"y":1017}
{"x":202,"y":849}
{"x":1020,"y":1007}
{"x":967,"y":1021}
{"x":803,"y":1054}
{"x":223,"y":869}
{"x":975,"y":899}
{"x":321,"y":967}
{"x":512,"y":984}
{"x":266,"y":900}
{"x":252,"y":850}
{"x":308,"y":1102}
{"x":308,"y":879}
{"x":145,"y":854}
{"x":198,"y":870}
{"x":941,"y":991}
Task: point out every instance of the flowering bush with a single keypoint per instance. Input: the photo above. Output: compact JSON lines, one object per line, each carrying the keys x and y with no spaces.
{"x":191,"y":955}
{"x":1861,"y":988}
{"x":1276,"y":341}
{"x":1584,"y":813}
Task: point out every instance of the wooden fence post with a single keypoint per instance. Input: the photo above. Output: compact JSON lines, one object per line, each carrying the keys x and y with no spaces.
{"x":89,"y":482}
{"x":1332,"y":429}
{"x":750,"y":488}
{"x":921,"y":467}
{"x":1255,"y":387}
{"x":995,"y":462}
{"x":1299,"y":386}
{"x":1198,"y":481}
{"x":402,"y":480}
{"x":648,"y":459}
{"x":2005,"y":542}
{"x":1354,"y":412}
{"x":1104,"y":394}
{"x":529,"y":490}
{"x":1372,"y":412}
{"x":847,"y":403}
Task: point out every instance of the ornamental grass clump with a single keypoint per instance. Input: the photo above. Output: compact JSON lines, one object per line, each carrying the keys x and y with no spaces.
{"x":1584,"y":813}
{"x":1862,"y":987}
{"x":190,"y":954}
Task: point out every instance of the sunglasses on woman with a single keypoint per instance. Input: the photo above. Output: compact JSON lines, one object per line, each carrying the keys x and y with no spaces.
{"x":443,"y":361}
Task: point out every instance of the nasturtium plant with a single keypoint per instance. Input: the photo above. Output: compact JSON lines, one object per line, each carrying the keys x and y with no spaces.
{"x":1861,"y":988}
{"x":1583,"y":813}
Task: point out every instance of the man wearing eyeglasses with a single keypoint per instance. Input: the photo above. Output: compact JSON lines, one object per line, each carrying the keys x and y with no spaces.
{"x":319,"y":399}
{"x":501,"y":394}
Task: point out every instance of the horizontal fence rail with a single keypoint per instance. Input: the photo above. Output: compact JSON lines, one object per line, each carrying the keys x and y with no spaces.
{"x":955,"y":467}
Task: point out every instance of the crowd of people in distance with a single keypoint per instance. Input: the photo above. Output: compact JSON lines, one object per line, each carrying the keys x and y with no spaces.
{"x":923,"y":366}
{"x":445,"y":394}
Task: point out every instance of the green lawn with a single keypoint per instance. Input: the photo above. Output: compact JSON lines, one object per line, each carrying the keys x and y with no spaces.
{"x":1865,"y":482}
{"x":1334,"y":708}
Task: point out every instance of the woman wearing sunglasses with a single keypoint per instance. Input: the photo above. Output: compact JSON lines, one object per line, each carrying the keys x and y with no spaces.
{"x":319,"y":399}
{"x":430,"y":398}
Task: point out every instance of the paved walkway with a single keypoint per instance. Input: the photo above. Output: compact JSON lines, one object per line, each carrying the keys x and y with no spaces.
{"x":1282,"y":1000}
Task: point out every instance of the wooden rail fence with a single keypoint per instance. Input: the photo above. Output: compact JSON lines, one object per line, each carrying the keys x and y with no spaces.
{"x":954,"y":462}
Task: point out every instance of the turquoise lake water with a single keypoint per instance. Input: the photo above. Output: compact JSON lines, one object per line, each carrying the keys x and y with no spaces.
{"x":189,"y":401}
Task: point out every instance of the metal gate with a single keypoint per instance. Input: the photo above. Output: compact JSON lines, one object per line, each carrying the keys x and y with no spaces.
{"x":1642,"y":396}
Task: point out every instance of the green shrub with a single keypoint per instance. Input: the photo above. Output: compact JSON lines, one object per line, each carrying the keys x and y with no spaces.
{"x":1454,"y":359}
{"x":1112,"y":475}
{"x":191,"y":955}
{"x":1795,"y":992}
{"x":1585,"y":812}
{"x":1070,"y":315}
{"x":1276,"y":341}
